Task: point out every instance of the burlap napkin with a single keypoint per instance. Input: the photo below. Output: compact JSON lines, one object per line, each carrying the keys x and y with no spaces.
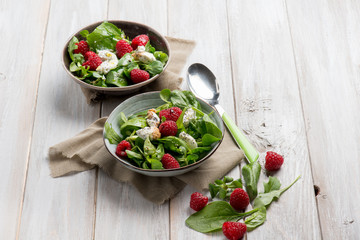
{"x":180,"y":50}
{"x":86,"y":150}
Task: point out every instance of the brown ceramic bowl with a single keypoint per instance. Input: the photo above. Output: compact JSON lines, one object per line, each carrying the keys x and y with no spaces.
{"x":131,"y":29}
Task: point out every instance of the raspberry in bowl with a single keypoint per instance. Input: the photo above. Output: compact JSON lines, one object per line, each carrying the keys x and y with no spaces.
{"x":165,"y":134}
{"x":116,"y":57}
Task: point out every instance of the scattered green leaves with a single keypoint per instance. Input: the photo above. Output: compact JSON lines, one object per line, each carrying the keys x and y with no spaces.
{"x":223,"y":188}
{"x":251,"y":173}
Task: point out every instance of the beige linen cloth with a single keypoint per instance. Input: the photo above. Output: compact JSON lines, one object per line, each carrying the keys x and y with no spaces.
{"x":87,"y":150}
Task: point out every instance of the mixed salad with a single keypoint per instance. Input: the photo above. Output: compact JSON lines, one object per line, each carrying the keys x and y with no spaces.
{"x":107,"y":57}
{"x":177,"y":130}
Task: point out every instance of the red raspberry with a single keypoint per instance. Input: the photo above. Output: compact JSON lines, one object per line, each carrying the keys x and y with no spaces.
{"x":239,"y":199}
{"x":83,"y":47}
{"x":169,"y":162}
{"x":140,"y":40}
{"x":273,"y":161}
{"x":171,"y":113}
{"x":234,"y":230}
{"x":168,"y":128}
{"x":92,"y":60}
{"x":123,"y":47}
{"x":138,"y":75}
{"x":198,"y":201}
{"x":121,"y":147}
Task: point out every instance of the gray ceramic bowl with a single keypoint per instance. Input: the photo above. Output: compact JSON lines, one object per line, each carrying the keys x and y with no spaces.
{"x":131,"y":29}
{"x":149,"y":100}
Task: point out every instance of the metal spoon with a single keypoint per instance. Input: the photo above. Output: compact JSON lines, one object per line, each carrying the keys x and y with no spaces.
{"x":203,"y":83}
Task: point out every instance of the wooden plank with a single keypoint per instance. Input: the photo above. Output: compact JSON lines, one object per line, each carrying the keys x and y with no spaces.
{"x":269,"y":111}
{"x":325,"y":37}
{"x":61,"y":208}
{"x":22,"y":31}
{"x":121,"y":211}
{"x":206,"y":23}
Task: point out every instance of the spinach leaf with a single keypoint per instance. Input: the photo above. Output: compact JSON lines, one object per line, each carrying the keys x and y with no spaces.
{"x":192,"y":158}
{"x":155,"y":164}
{"x":175,"y":144}
{"x":223,"y":188}
{"x":125,"y":60}
{"x":132,"y":124}
{"x":153,"y":68}
{"x":183,"y":99}
{"x":265,"y":199}
{"x":209,"y":139}
{"x":149,"y":48}
{"x":191,"y":99}
{"x":159,"y":153}
{"x":251,"y":173}
{"x":72,"y":47}
{"x":111,"y":135}
{"x":213,"y":215}
{"x":180,"y":121}
{"x":272,"y":184}
{"x":116,"y":78}
{"x":165,"y":95}
{"x":200,"y":150}
{"x":149,"y":148}
{"x":84,"y":33}
{"x":256,"y":219}
{"x":164,"y":106}
{"x":161,"y":56}
{"x":105,"y":36}
{"x":136,"y":157}
{"x":208,"y":126}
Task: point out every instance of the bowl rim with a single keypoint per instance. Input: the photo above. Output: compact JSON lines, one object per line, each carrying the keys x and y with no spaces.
{"x":114,"y":89}
{"x":125,"y":162}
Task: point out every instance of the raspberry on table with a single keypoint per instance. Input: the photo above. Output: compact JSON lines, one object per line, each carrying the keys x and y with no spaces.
{"x":122,"y":47}
{"x":273,"y":161}
{"x":140,"y":40}
{"x":168,"y":128}
{"x":239,"y":199}
{"x":83,"y":47}
{"x":121,"y":147}
{"x":198,"y":201}
{"x":171,"y":113}
{"x":92,"y":60}
{"x":138,"y":75}
{"x":234,"y":230}
{"x":169,"y":162}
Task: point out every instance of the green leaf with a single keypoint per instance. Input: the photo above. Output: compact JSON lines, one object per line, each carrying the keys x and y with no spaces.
{"x":219,"y":182}
{"x":116,"y":78}
{"x":72,"y":47}
{"x":132,"y":124}
{"x":156,"y":164}
{"x":153,"y":68}
{"x":161,"y":56}
{"x":125,"y":60}
{"x":236,"y":184}
{"x":183,"y":99}
{"x":208,"y":126}
{"x":84,"y":33}
{"x":209,"y":139}
{"x":175,"y":144}
{"x":79,"y":58}
{"x":136,"y":157}
{"x":74,"y":67}
{"x":265,"y":199}
{"x":122,"y":119}
{"x":129,"y":68}
{"x":272,"y":184}
{"x":256,"y":219}
{"x":213,"y":190}
{"x":111,"y":135}
{"x":165,"y":95}
{"x":251,"y":173}
{"x":213,"y":215}
{"x":105,"y":36}
{"x":222,"y":194}
{"x":149,"y":48}
{"x":159,"y":152}
{"x":149,"y":148}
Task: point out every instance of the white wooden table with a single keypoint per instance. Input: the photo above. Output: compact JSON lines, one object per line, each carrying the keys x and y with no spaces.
{"x":289,"y":75}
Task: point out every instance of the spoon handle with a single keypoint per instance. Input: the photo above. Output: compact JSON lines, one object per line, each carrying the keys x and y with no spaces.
{"x":250,"y":152}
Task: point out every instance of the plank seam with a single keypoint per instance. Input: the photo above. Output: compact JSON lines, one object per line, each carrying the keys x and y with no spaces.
{"x":302,"y":109}
{"x":33,"y":123}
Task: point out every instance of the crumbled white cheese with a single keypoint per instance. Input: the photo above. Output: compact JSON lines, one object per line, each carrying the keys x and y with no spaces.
{"x":144,"y":132}
{"x":188,"y":116}
{"x":188,"y":139}
{"x":141,"y":55}
{"x":152,"y":119}
{"x":109,"y":61}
